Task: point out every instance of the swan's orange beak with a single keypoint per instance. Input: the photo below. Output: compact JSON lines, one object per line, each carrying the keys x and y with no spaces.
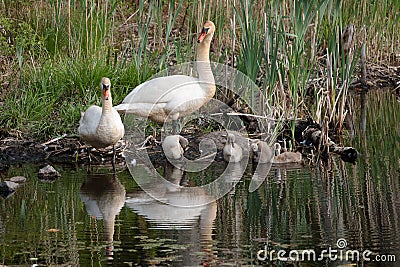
{"x":203,"y":34}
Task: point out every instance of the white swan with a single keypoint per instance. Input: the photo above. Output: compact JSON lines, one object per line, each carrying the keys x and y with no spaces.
{"x":173,"y":146}
{"x":101,"y":127}
{"x":286,"y":157}
{"x":172,"y":97}
{"x":232,"y":151}
{"x":263,"y":153}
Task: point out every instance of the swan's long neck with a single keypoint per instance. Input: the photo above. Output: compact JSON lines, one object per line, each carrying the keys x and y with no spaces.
{"x":109,"y":229}
{"x":109,"y":235}
{"x":106,"y":112}
{"x":107,"y":104}
{"x":204,"y":68}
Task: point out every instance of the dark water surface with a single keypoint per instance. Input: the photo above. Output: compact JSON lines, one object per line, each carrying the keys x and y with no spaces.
{"x":334,"y":211}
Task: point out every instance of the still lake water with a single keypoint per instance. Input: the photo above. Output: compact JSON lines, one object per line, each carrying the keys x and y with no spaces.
{"x":97,"y":220}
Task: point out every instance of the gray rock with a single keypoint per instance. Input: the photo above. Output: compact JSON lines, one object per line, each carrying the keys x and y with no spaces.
{"x":7,"y":188}
{"x":48,"y":173}
{"x":18,"y":179}
{"x":11,"y":185}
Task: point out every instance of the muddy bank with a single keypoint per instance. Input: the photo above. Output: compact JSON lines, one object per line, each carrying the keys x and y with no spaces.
{"x":20,"y":151}
{"x":70,"y":150}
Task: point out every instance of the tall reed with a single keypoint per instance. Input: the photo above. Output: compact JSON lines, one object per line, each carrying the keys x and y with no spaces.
{"x":291,"y":50}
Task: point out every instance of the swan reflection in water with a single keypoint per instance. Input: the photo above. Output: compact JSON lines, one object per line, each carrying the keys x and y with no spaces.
{"x":193,"y":221}
{"x":104,"y":196}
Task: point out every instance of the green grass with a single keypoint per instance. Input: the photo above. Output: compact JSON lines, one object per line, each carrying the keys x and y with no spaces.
{"x":55,"y":52}
{"x":49,"y":99}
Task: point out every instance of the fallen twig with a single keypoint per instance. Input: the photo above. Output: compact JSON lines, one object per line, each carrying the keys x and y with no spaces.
{"x":54,"y":140}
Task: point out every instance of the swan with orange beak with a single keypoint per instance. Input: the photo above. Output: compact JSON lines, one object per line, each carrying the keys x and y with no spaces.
{"x":172,"y":97}
{"x":101,"y":127}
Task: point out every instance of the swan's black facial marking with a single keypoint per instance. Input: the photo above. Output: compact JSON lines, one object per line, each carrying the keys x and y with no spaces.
{"x":205,"y":30}
{"x":105,"y":87}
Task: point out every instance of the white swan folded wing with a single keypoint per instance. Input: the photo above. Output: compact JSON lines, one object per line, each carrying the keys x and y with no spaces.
{"x":165,"y":98}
